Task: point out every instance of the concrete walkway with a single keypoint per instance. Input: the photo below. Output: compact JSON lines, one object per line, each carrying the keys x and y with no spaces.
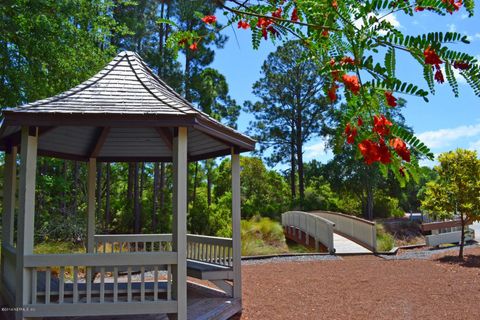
{"x":344,"y":245}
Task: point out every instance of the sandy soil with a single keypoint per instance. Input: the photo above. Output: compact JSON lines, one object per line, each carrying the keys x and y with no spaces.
{"x":364,"y":287}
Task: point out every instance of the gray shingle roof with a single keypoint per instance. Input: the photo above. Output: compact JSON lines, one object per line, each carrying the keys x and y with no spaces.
{"x":125,"y":94}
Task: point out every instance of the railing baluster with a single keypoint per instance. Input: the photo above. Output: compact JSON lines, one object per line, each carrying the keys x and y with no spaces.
{"x":75,"y":284}
{"x":61,"y":285}
{"x":34,"y":286}
{"x":129,"y":284}
{"x":121,"y":246}
{"x":155,"y":283}
{"x":115,"y":284}
{"x":48,"y":281}
{"x":144,"y":246}
{"x":88,"y":281}
{"x":215,"y":254}
{"x":102,"y":284}
{"x":104,"y":246}
{"x":169,"y":282}
{"x":142,"y":284}
{"x":128,"y":246}
{"x":225,"y":256}
{"x":136,"y":246}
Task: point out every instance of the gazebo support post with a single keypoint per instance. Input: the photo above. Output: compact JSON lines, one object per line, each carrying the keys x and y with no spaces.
{"x":26,"y":215}
{"x":91,"y":172}
{"x":236,"y":225}
{"x":179,"y":227}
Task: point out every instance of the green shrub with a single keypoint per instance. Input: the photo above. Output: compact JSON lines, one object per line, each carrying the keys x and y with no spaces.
{"x":262,"y":236}
{"x":386,"y":207}
{"x":385,"y":241}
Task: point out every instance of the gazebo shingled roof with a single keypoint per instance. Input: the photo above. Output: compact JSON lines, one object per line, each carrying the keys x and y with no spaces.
{"x":123,"y":113}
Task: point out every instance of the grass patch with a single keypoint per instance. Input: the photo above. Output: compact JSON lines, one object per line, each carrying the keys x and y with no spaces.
{"x":262,"y":236}
{"x":57,"y":248}
{"x":385,"y":241}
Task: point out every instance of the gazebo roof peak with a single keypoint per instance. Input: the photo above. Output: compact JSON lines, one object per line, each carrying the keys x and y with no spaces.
{"x":125,"y":86}
{"x":126,"y":100}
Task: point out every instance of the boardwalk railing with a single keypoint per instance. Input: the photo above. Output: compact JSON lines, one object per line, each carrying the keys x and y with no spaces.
{"x":214,"y":250}
{"x":317,"y":227}
{"x":359,"y":230}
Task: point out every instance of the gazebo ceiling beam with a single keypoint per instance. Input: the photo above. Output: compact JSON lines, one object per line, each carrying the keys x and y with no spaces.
{"x":99,"y":141}
{"x":166,"y":136}
{"x":14,"y":139}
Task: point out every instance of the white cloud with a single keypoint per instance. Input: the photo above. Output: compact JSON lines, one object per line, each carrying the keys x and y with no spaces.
{"x":452,"y":27}
{"x":444,"y":137}
{"x":389,"y":18}
{"x":464,"y":16}
{"x":475,"y":146}
{"x":317,"y":150}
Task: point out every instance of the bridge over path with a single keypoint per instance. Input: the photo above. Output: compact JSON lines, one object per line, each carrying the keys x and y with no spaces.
{"x":330,"y":231}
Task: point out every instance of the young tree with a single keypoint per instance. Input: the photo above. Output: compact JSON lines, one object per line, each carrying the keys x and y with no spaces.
{"x":291,"y":108}
{"x":457,"y":189}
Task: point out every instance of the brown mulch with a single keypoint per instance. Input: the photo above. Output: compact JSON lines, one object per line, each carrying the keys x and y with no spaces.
{"x":364,"y":288}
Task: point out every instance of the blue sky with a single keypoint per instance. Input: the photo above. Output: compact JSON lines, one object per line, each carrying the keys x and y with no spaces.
{"x":444,"y":123}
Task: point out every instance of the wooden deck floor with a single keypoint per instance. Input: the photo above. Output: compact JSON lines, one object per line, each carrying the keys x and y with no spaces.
{"x":203,"y":304}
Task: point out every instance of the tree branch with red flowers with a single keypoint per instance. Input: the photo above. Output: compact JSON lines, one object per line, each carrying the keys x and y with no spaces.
{"x":353,"y":41}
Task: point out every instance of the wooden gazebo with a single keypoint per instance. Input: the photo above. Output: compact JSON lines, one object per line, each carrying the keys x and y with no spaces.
{"x":125,"y":113}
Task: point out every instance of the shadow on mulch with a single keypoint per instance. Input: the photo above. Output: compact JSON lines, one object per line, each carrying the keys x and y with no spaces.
{"x":469,"y":261}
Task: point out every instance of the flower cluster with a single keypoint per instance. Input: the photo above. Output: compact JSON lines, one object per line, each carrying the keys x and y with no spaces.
{"x":375,"y":148}
{"x":351,"y":83}
{"x":209,"y":19}
{"x":452,"y":6}
{"x":431,"y":57}
{"x":391,"y":100}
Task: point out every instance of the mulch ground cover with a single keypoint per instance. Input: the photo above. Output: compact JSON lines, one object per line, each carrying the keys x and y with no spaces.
{"x":364,"y":287}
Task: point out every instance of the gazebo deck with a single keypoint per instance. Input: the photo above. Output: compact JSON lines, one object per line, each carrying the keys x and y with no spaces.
{"x":202,"y":303}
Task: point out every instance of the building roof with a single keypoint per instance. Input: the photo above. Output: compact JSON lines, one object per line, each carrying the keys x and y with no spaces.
{"x":123,"y":113}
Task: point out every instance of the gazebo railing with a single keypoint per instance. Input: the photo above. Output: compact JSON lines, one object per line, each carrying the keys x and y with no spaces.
{"x":214,"y":250}
{"x":61,"y":280}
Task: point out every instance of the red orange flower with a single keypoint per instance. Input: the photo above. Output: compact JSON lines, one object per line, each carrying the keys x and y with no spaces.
{"x":347,"y":60}
{"x":461,"y":65}
{"x":332,"y":93}
{"x":351,"y":133}
{"x":294,"y":16}
{"x":360,"y":122}
{"x":391,"y":100}
{"x":277,"y":13}
{"x":243,"y":24}
{"x":194,"y":46}
{"x":334,"y":4}
{"x":351,"y":83}
{"x":381,"y":125}
{"x":439,"y":76}
{"x":431,"y":57}
{"x":209,"y":19}
{"x":401,"y":148}
{"x":369,"y":151}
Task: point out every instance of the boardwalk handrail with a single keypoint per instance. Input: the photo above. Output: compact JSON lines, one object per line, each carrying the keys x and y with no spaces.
{"x":319,"y":228}
{"x":359,"y":230}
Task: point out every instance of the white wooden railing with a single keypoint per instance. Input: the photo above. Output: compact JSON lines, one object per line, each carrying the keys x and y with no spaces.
{"x":319,"y":228}
{"x":61,"y":280}
{"x":214,"y":250}
{"x":356,"y":229}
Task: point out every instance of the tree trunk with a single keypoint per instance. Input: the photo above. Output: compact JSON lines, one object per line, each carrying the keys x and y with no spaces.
{"x":99,"y":189}
{"x":140,"y":194}
{"x":299,"y":146}
{"x":369,"y":213}
{"x":64,"y":191}
{"x":209,"y":165}
{"x":292,"y":170}
{"x":107,"y":199}
{"x":162,"y":193}
{"x":131,"y":168}
{"x":462,"y":238}
{"x":136,"y":202}
{"x":76,"y":173}
{"x":156,"y":173}
{"x":194,"y":191}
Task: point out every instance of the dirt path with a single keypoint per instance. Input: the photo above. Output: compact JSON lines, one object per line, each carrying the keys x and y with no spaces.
{"x":363,"y":287}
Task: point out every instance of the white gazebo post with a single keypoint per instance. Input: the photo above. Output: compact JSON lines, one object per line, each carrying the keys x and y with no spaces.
{"x":179,"y":227}
{"x":91,"y":171}
{"x":9,"y":188}
{"x":236,"y":225}
{"x":26,"y":214}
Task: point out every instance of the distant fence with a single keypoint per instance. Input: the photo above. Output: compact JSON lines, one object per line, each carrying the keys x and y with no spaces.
{"x":317,"y":227}
{"x":356,"y":229}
